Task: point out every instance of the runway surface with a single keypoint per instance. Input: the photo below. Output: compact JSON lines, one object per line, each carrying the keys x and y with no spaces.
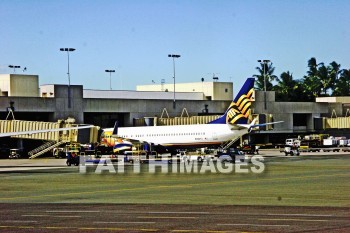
{"x":62,"y":216}
{"x":170,"y":218}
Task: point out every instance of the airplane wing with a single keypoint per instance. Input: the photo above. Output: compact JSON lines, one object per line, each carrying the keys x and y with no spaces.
{"x":43,"y":131}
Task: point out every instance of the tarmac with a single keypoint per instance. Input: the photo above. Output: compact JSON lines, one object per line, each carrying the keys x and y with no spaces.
{"x":170,"y":218}
{"x":93,"y":217}
{"x":11,"y":165}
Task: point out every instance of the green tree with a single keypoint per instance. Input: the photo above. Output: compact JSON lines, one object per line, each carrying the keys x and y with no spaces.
{"x":320,"y":79}
{"x":324,"y":78}
{"x":285,"y":87}
{"x":328,"y":76}
{"x":312,"y":84}
{"x":309,"y":89}
{"x":342,"y":85}
{"x":288,"y":89}
{"x":267,"y":69}
{"x":334,"y":71}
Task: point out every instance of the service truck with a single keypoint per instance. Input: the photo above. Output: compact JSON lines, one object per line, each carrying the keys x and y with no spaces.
{"x":318,"y":142}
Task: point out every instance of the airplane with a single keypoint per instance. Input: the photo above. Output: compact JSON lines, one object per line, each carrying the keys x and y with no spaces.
{"x":231,"y":125}
{"x":42,"y":131}
{"x":118,"y":144}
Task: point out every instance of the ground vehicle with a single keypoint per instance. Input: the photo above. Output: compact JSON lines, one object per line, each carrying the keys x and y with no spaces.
{"x":232,"y":156}
{"x":199,"y":158}
{"x":250,"y":149}
{"x":73,"y":158}
{"x":318,"y":142}
{"x":72,"y":152}
{"x":291,"y":150}
{"x":141,"y":156}
{"x":14,"y":154}
{"x":58,"y":153}
{"x":310,"y":145}
{"x":293,"y":141}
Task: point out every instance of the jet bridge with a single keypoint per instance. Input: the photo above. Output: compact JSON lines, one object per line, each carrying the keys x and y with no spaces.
{"x":51,"y":139}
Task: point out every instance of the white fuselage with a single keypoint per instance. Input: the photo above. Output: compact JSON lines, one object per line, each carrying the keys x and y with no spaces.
{"x":182,"y":135}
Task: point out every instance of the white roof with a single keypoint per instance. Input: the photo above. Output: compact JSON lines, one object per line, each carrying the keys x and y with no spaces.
{"x":118,"y":94}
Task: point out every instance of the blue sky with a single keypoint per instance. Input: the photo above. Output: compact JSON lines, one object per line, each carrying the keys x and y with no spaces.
{"x":220,"y":37}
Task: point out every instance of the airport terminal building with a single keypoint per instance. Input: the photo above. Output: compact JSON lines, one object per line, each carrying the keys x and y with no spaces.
{"x":103,"y":107}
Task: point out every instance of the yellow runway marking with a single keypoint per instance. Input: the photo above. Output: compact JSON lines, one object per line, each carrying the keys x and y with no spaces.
{"x":35,"y":215}
{"x":207,"y":231}
{"x":165,"y":217}
{"x":184,"y":231}
{"x":67,"y":216}
{"x":113,"y":229}
{"x":294,"y":219}
{"x":116,"y":229}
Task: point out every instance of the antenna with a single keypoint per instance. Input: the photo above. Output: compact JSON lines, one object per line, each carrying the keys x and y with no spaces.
{"x":14,"y":68}
{"x":162,"y":84}
{"x":215,"y":78}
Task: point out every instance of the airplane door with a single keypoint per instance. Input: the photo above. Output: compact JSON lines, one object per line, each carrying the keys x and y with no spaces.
{"x":215,"y":136}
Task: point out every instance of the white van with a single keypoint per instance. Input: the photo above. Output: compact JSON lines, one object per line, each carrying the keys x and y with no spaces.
{"x":292,"y":141}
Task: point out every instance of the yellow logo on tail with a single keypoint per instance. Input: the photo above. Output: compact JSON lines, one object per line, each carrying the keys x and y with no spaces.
{"x":240,"y":109}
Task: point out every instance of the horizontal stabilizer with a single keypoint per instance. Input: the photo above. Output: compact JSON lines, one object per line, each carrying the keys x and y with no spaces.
{"x":264,"y":124}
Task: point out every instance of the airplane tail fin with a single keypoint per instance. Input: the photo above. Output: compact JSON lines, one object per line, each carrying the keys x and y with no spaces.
{"x":239,"y":111}
{"x":115,"y":128}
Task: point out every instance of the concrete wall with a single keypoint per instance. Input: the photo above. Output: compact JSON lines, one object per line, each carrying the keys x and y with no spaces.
{"x":222,"y":91}
{"x":19,"y":85}
{"x":116,"y":94}
{"x":62,"y":109}
{"x":4,"y":84}
{"x":47,"y":91}
{"x":150,"y":108}
{"x":213,"y":90}
{"x":28,"y":104}
{"x":284,"y":111}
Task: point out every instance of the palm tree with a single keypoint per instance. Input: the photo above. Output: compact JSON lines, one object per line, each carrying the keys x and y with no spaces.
{"x":321,"y":78}
{"x":313,"y":66}
{"x":328,"y":76}
{"x":312,"y":84}
{"x":325,"y":79}
{"x":334,"y":71}
{"x":285,"y":87}
{"x":288,"y":89}
{"x":311,"y":87}
{"x":342,"y":85}
{"x":267,"y":69}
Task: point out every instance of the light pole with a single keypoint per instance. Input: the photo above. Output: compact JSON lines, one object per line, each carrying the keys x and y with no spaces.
{"x":14,"y":68}
{"x":174,"y":56}
{"x":264,"y":63}
{"x":110,"y":77}
{"x":68,"y":50}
